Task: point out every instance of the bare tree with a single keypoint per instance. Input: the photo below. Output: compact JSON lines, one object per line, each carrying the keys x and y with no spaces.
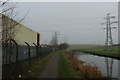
{"x":9,"y":20}
{"x":8,"y":30}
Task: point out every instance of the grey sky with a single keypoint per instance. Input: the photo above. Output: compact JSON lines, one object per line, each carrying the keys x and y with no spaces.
{"x":77,"y":22}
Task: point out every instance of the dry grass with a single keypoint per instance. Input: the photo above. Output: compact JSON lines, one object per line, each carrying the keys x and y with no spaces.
{"x":86,"y":70}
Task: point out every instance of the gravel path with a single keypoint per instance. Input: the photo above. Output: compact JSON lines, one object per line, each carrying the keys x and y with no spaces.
{"x":51,"y":69}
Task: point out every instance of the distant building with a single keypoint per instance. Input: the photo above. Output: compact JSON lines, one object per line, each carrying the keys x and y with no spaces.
{"x":24,"y":34}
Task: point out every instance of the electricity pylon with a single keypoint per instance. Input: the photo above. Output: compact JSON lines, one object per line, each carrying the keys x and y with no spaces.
{"x":109,"y":42}
{"x":54,"y":40}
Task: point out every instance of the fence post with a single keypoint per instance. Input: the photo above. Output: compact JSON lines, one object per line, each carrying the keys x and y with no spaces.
{"x":29,"y":53}
{"x":10,"y":52}
{"x":46,"y":50}
{"x":37,"y":50}
{"x":16,"y":56}
{"x":43,"y":50}
{"x":40,"y":51}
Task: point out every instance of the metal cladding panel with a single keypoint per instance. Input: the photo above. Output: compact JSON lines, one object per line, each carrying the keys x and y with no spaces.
{"x":24,"y":34}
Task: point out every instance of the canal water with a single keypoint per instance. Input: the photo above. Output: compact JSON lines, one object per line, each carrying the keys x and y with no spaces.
{"x":101,"y":63}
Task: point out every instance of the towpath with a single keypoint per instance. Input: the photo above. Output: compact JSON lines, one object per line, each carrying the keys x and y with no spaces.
{"x":51,"y":69}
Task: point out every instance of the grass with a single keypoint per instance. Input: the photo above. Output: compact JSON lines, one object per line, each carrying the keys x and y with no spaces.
{"x":83,"y":46}
{"x":9,"y":70}
{"x":37,"y":68}
{"x":65,"y":68}
{"x":98,"y":49}
{"x":113,"y":51}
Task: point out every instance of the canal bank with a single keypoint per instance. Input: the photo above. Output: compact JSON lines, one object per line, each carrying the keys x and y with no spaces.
{"x":116,"y":56}
{"x":107,"y":66}
{"x":100,"y":50}
{"x":89,"y":65}
{"x":105,"y":55}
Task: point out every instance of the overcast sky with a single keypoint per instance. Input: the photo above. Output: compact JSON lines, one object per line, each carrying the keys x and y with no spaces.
{"x":77,"y":22}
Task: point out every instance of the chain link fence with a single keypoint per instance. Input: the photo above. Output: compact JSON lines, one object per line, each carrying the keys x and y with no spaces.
{"x":16,"y":58}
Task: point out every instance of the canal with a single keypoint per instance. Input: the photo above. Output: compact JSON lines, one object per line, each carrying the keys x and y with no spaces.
{"x":107,"y":66}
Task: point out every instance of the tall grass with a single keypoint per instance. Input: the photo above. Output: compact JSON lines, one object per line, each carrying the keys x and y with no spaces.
{"x":87,"y":71}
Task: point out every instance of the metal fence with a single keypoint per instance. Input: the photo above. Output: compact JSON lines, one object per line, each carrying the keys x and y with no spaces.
{"x":14,"y":57}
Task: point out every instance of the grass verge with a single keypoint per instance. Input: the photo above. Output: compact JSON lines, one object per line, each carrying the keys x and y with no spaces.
{"x":65,"y":69}
{"x":98,"y":49}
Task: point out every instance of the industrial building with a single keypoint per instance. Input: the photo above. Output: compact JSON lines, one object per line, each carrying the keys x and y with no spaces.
{"x":24,"y":34}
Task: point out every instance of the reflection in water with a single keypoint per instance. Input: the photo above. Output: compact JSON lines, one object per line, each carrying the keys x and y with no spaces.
{"x":109,"y":66}
{"x":102,"y":63}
